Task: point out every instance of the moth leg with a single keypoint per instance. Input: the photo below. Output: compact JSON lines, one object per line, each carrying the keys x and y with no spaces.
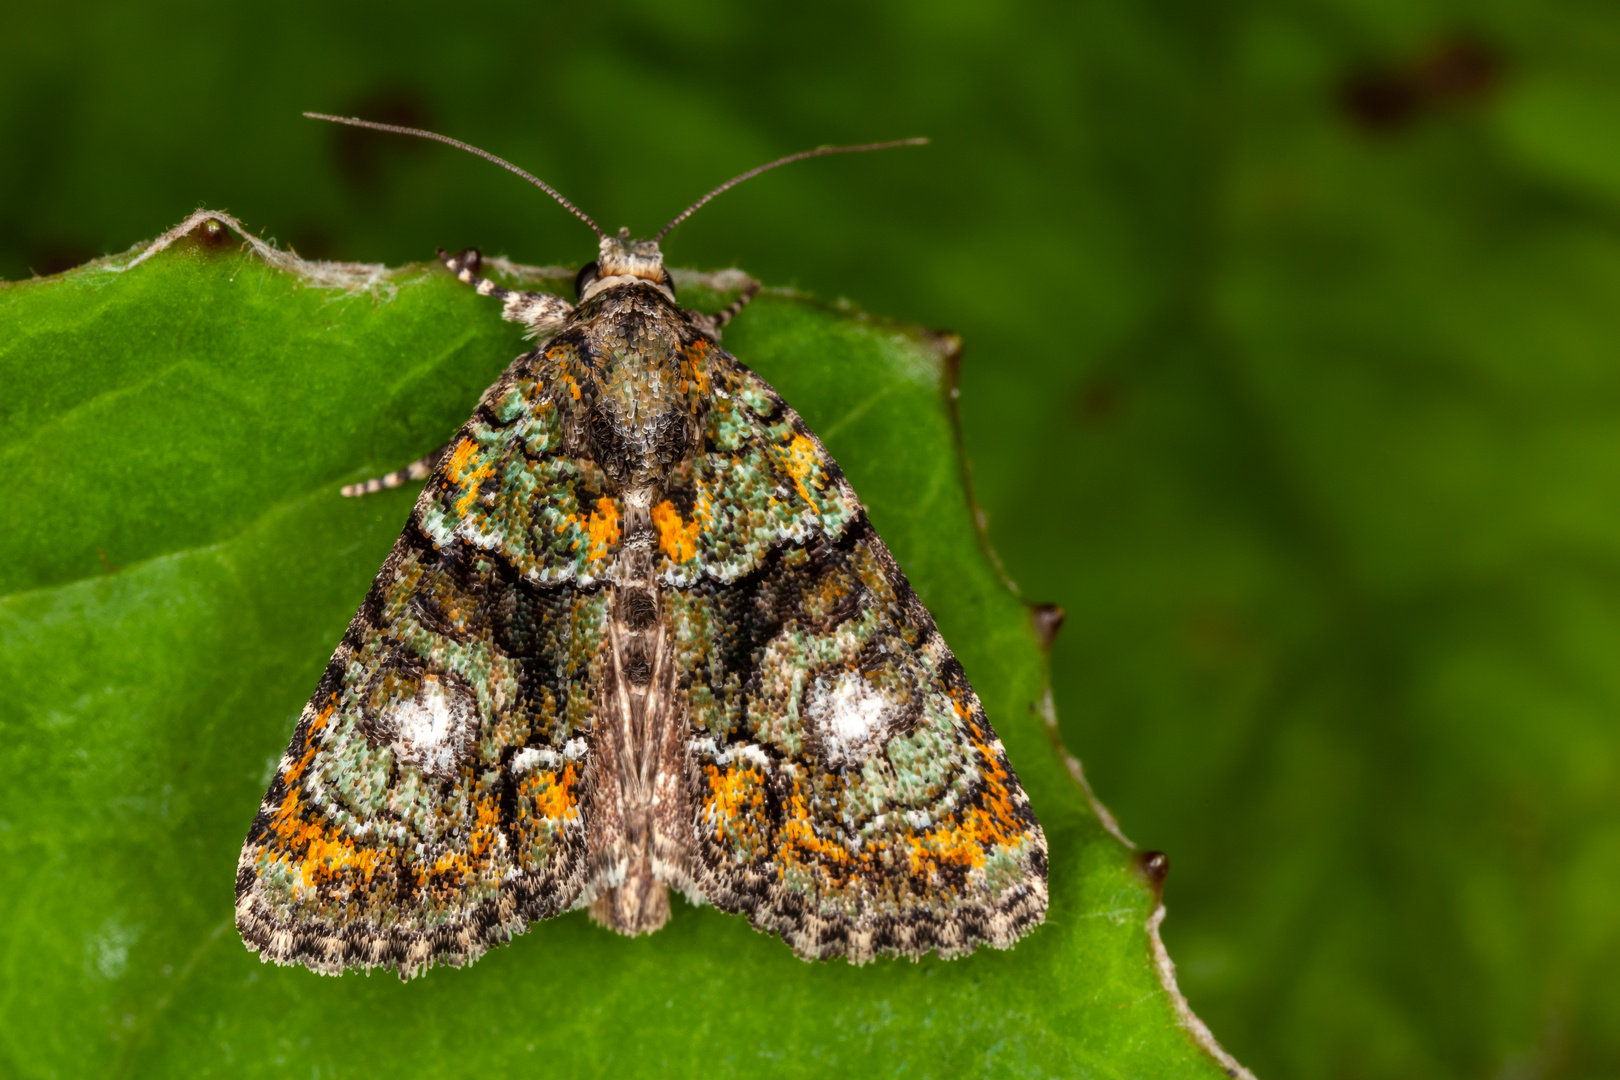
{"x":543,"y":313}
{"x":730,"y":311}
{"x":420,"y":469}
{"x":711,"y":324}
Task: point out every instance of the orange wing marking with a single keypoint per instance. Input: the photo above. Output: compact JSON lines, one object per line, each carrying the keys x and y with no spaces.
{"x":800,"y":835}
{"x":678,"y":539}
{"x":968,"y":843}
{"x":602,"y":530}
{"x":457,"y":471}
{"x":325,"y":854}
{"x":800,"y":462}
{"x":735,"y":798}
{"x":557,"y":801}
{"x":694,"y":372}
{"x":456,"y":865}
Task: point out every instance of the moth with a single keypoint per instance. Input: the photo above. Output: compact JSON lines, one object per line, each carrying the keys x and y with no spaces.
{"x":638,"y":635}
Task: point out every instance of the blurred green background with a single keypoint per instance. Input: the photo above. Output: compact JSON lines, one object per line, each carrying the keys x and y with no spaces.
{"x":1293,"y":374}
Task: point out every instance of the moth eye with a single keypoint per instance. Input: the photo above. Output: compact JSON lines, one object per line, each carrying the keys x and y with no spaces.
{"x":669,"y":282}
{"x":587,"y":274}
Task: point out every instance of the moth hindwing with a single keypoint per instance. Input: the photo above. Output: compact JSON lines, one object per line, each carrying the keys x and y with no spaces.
{"x":637,"y":635}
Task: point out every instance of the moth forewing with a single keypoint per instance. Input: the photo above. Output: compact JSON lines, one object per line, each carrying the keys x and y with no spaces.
{"x":638,"y":634}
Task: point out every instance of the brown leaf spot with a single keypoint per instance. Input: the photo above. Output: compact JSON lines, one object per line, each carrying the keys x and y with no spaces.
{"x":1047,"y":620}
{"x":1155,"y":866}
{"x":1389,"y":98}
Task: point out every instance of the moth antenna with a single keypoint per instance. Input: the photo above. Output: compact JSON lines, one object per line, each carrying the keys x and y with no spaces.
{"x":485,"y":154}
{"x":751,"y":173}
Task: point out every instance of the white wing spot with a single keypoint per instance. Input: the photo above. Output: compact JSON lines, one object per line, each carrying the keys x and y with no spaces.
{"x":531,"y":756}
{"x":851,"y":717}
{"x":435,"y":729}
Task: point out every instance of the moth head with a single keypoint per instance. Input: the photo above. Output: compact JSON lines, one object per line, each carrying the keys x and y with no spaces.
{"x":623,"y":261}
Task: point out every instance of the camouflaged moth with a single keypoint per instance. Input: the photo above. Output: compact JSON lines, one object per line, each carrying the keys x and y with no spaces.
{"x":637,"y":635}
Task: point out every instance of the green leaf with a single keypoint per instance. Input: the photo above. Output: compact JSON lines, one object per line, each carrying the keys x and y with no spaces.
{"x":1345,"y":620}
{"x":1310,"y":420}
{"x":178,"y":565}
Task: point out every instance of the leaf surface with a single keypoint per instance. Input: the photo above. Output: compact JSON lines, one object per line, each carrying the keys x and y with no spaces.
{"x":176,"y":570}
